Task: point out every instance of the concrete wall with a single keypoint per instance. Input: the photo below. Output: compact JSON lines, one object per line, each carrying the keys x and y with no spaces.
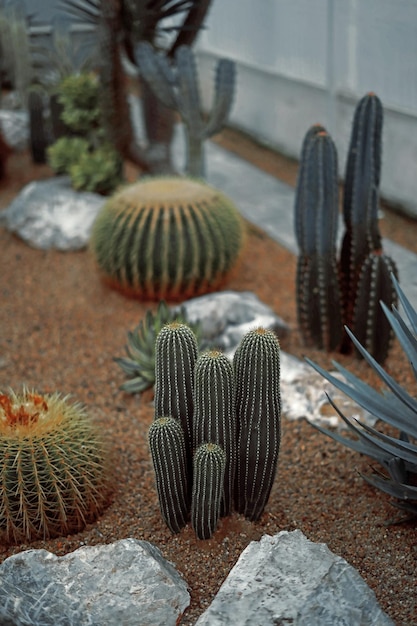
{"x":303,"y":61}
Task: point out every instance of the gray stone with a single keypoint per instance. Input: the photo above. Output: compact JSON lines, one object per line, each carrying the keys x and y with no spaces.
{"x":50,"y":214}
{"x":127,"y":583}
{"x":15,"y":128}
{"x":287,"y":579}
{"x":225,"y":316}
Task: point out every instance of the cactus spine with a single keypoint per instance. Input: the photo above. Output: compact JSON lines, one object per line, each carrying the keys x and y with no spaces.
{"x":214,"y":418}
{"x":209,"y":468}
{"x":175,"y":357}
{"x":167,"y":238}
{"x":316,"y":214}
{"x":258,"y":411}
{"x":53,"y":467}
{"x":363,"y":274}
{"x":177,"y":88}
{"x":168,"y":451}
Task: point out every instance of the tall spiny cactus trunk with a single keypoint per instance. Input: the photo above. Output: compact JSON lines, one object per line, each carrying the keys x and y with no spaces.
{"x":316,"y":215}
{"x":175,"y":357}
{"x":214,"y":418}
{"x":115,"y":106}
{"x":360,"y":203}
{"x":258,"y":413}
{"x":177,"y":87}
{"x":169,"y":457}
{"x":209,"y":468}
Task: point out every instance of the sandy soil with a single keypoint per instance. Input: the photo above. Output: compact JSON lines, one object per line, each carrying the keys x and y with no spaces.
{"x":60,"y":329}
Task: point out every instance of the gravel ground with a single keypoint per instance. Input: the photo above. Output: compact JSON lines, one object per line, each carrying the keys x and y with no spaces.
{"x":60,"y":328}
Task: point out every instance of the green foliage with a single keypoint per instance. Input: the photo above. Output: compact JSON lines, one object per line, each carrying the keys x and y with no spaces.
{"x":395,"y":407}
{"x":330,"y":293}
{"x":168,"y":451}
{"x":167,"y":238}
{"x":79,"y":96}
{"x":139,"y":364}
{"x":66,"y":152}
{"x":232,"y":407}
{"x":99,"y":171}
{"x":209,"y":465}
{"x":54,"y":474}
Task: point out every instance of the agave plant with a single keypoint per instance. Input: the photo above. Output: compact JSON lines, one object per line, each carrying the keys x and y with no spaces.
{"x":395,"y":407}
{"x":139,"y":365}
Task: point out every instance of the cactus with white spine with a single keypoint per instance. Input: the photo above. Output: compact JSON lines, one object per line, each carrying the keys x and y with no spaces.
{"x":175,"y":357}
{"x":209,"y":468}
{"x":177,"y":88}
{"x":316,"y":215}
{"x":214,"y":418}
{"x":258,"y":412}
{"x":169,"y":457}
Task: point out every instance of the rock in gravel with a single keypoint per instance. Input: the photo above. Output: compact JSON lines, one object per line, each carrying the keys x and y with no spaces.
{"x":225,"y":316}
{"x":125,"y":583}
{"x":51,"y":214}
{"x":287,"y":579}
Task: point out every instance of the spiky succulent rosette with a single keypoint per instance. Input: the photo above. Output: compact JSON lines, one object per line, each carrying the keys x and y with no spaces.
{"x":53,"y":466}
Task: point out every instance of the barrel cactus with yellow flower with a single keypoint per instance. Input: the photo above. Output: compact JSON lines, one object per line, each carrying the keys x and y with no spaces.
{"x":167,"y":238}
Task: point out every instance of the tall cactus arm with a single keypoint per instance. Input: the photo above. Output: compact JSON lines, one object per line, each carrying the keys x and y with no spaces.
{"x":189,"y":95}
{"x":223,"y":96}
{"x":158,"y":73}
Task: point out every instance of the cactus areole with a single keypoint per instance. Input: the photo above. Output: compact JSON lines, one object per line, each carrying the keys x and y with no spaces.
{"x":167,"y":238}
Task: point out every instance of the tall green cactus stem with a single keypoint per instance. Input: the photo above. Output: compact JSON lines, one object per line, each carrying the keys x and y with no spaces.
{"x":177,"y":88}
{"x":167,"y":238}
{"x":54,"y":469}
{"x":208,"y":479}
{"x":214,"y":418}
{"x":361,"y":201}
{"x":168,"y":452}
{"x":175,"y":358}
{"x":258,"y":412}
{"x":316,"y":216}
{"x":370,"y":324}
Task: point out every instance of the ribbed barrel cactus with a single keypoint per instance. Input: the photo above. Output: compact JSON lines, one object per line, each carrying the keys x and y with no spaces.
{"x":54,"y":472}
{"x":168,"y":451}
{"x":208,"y":479}
{"x":167,"y":238}
{"x":258,"y":412}
{"x":214,"y":417}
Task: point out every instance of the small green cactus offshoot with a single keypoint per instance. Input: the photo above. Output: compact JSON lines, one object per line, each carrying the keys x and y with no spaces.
{"x":214,"y":418}
{"x":330,"y":295}
{"x":168,"y":451}
{"x":208,"y":479}
{"x":258,"y":413}
{"x":54,"y":473}
{"x":177,"y":88}
{"x":176,"y":353}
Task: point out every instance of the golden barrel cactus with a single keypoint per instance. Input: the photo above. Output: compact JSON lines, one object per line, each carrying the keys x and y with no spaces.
{"x":167,"y":238}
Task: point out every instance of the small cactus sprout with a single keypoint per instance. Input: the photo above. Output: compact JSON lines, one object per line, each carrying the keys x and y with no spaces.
{"x":168,"y":452}
{"x":316,"y":215}
{"x":258,"y":412}
{"x":209,"y":467}
{"x":370,"y":325}
{"x":177,"y":88}
{"x":53,"y":467}
{"x":214,"y":416}
{"x":175,"y":357}
{"x":167,"y":238}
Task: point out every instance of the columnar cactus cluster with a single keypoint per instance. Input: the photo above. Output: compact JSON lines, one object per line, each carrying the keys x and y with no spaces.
{"x":234,"y":436}
{"x":332,"y":293}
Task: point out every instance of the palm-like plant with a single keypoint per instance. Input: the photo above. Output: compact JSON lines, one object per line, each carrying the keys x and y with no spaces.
{"x":395,"y":406}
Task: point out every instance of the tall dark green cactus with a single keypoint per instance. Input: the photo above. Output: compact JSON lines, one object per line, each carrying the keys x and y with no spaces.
{"x":169,"y":457}
{"x":209,"y":468}
{"x":364,"y":270}
{"x":214,"y":418}
{"x":316,"y":215}
{"x":258,"y":411}
{"x":177,"y":88}
{"x":175,"y":357}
